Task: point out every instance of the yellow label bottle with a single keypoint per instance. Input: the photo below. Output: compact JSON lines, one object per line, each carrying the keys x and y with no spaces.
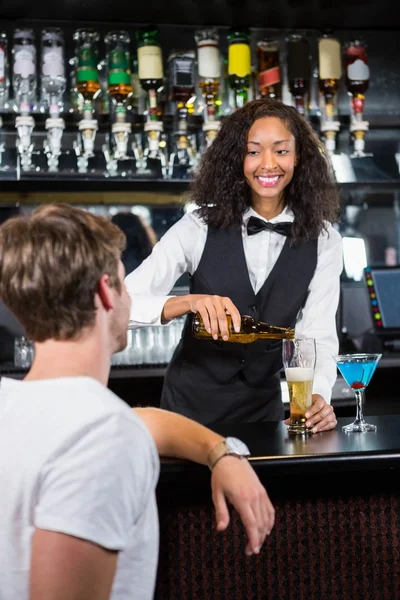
{"x":239,"y":60}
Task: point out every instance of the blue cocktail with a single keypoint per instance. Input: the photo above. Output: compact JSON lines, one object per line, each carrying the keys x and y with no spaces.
{"x":357,"y":370}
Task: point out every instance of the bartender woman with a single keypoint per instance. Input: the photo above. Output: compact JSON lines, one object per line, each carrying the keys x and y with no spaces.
{"x":260,"y":243}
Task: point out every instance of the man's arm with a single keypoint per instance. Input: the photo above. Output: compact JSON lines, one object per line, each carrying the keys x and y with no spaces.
{"x":177,"y":436}
{"x":232,"y":479}
{"x":64,"y":567}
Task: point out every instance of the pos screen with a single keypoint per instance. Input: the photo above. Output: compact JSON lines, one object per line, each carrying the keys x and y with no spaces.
{"x":383,"y":285}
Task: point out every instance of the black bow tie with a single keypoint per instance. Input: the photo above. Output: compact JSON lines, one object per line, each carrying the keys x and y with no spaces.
{"x":255,"y":225}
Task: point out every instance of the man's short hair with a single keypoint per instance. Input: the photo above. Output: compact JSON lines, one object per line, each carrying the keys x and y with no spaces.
{"x":51,"y":263}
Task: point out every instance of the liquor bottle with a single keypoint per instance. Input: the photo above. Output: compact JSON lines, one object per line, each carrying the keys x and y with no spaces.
{"x":330,"y":72}
{"x":87,"y":76}
{"x":151,"y":77}
{"x":87,"y":88}
{"x":298,"y":64}
{"x":24,"y":69}
{"x":53,"y":84}
{"x":269,"y":69}
{"x":209,"y":69}
{"x":250,"y":330}
{"x":181,"y":76}
{"x":239,"y":64}
{"x":24,"y":86}
{"x":119,"y":87}
{"x":119,"y":66}
{"x":357,"y":81}
{"x":53,"y":80}
{"x":182,"y":93}
{"x":4,"y":81}
{"x":150,"y":66}
{"x":357,"y":74}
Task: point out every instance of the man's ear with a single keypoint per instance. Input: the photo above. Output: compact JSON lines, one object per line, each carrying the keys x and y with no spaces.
{"x":104,"y":292}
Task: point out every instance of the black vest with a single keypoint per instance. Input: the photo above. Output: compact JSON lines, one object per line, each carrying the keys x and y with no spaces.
{"x":223,"y":271}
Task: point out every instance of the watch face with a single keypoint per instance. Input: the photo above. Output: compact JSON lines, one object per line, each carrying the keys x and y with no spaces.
{"x":236,"y":446}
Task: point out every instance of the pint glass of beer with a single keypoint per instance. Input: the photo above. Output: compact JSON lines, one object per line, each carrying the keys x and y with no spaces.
{"x":299,"y":357}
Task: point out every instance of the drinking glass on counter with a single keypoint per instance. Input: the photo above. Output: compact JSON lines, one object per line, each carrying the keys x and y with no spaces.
{"x":357,"y":370}
{"x":150,"y":345}
{"x":299,"y":356}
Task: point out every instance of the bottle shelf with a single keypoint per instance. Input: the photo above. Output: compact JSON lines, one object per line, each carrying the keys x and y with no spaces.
{"x":34,"y":183}
{"x":195,"y":121}
{"x":37,"y":182}
{"x":375,"y":121}
{"x":108,"y":138}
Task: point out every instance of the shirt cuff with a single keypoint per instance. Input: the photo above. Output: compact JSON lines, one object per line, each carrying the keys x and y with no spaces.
{"x":147,"y":310}
{"x":322,"y":387}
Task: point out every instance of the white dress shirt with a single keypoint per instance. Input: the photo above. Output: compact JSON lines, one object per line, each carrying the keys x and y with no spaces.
{"x":180,"y":249}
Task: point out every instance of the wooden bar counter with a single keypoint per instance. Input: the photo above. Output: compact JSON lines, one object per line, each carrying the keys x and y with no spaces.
{"x":337,"y":530}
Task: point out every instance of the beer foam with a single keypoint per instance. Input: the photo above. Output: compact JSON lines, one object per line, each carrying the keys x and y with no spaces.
{"x":299,"y":374}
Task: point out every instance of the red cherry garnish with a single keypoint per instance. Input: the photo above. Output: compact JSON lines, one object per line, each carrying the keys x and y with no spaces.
{"x":357,"y":385}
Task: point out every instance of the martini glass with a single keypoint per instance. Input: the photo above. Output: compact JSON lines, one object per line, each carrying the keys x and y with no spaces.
{"x":357,"y":370}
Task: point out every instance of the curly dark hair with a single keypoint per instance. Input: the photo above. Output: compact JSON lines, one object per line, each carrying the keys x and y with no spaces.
{"x":222,"y":194}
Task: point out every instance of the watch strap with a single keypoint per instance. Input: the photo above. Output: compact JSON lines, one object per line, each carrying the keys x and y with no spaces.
{"x":218,"y":452}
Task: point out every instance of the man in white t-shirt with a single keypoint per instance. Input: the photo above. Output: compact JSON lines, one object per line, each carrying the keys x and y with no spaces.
{"x":78,"y":467}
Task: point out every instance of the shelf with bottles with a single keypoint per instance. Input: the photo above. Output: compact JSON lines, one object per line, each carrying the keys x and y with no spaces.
{"x":121,"y":97}
{"x":71,"y":182}
{"x":166,"y":191}
{"x":115,"y":105}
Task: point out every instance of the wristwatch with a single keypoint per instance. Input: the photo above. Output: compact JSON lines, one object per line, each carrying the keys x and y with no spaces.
{"x":230,"y":446}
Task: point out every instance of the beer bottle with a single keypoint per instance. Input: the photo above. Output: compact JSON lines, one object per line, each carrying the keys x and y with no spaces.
{"x":250,"y":330}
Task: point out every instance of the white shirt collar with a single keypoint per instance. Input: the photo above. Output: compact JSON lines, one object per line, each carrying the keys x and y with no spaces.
{"x":285,"y":216}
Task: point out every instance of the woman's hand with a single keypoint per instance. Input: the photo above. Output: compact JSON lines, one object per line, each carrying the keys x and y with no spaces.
{"x":213,"y":311}
{"x":320,"y":416}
